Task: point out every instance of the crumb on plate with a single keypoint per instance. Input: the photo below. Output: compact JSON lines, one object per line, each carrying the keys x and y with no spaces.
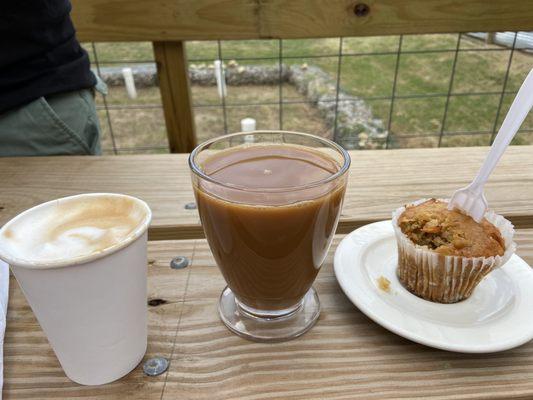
{"x":384,"y":284}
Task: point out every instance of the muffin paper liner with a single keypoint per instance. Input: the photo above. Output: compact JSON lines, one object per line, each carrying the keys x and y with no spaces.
{"x":446,"y":279}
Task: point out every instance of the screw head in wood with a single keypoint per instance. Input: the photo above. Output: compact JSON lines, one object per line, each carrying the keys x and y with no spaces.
{"x":361,"y":9}
{"x":155,"y":366}
{"x":190,"y":206}
{"x":179,"y":262}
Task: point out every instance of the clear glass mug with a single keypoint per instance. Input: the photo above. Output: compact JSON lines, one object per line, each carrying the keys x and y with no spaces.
{"x":269,"y":243}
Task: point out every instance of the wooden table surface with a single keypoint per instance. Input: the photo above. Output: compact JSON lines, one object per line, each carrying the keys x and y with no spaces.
{"x":379,"y":183}
{"x":345,"y":356}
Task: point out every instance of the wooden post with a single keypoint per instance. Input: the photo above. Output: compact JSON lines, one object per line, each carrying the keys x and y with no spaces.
{"x":173,"y":78}
{"x":489,"y":39}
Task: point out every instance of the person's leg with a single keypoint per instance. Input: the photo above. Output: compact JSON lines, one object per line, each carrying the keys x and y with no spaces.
{"x":62,"y":124}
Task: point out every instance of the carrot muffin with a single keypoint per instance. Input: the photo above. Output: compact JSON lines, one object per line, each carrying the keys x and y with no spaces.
{"x":443,"y":254}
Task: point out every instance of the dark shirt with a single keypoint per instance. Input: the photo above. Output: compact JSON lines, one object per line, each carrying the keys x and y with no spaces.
{"x":39,"y":53}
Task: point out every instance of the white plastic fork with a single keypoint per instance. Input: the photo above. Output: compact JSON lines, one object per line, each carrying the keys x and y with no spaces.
{"x":471,"y":199}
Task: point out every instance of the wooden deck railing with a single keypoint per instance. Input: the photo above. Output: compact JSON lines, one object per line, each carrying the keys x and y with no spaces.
{"x":168,"y":23}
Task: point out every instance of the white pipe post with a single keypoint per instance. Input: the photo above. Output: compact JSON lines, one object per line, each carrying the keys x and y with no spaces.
{"x":221,"y":78}
{"x":248,"y":125}
{"x":127,"y":73}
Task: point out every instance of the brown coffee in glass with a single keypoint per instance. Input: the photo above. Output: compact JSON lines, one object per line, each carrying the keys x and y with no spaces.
{"x":269,"y":202}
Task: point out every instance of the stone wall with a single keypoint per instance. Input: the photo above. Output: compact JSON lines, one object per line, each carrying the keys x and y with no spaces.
{"x":356,"y":125}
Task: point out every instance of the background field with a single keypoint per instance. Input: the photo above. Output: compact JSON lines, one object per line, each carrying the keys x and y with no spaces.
{"x":480,"y":93}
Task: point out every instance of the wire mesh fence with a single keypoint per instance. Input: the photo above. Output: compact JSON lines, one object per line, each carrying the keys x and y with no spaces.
{"x":378,"y":92}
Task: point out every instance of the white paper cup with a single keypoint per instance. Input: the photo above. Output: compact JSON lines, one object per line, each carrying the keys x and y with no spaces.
{"x":92,"y":308}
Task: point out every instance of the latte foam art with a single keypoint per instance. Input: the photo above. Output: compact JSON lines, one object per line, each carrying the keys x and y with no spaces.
{"x":72,"y":229}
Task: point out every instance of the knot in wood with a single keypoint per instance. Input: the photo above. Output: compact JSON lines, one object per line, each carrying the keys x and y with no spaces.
{"x":361,"y":9}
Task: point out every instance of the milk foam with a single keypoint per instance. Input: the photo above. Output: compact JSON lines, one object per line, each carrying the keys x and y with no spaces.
{"x":71,"y":228}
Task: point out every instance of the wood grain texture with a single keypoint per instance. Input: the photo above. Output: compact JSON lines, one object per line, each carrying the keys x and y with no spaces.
{"x":166,"y":20}
{"x":31,"y":370}
{"x":172,"y":72}
{"x":345,"y":356}
{"x":380,"y":181}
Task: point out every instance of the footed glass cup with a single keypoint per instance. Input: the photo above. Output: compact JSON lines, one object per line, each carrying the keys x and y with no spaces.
{"x":269,"y":242}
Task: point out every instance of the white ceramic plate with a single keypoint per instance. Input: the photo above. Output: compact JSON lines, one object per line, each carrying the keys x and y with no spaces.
{"x":498,"y":315}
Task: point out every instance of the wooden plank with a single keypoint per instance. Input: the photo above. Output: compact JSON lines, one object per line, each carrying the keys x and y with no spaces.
{"x":345,"y":356}
{"x":31,"y":370}
{"x":172,"y":72}
{"x":166,"y":20}
{"x":380,"y":181}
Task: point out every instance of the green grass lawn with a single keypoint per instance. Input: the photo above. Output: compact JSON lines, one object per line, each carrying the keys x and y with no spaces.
{"x":366,"y":76}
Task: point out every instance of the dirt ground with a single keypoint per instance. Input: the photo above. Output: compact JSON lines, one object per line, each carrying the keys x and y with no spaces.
{"x":137,"y":129}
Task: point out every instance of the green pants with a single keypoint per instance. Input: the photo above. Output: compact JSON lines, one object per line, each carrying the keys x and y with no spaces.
{"x":61,"y":124}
